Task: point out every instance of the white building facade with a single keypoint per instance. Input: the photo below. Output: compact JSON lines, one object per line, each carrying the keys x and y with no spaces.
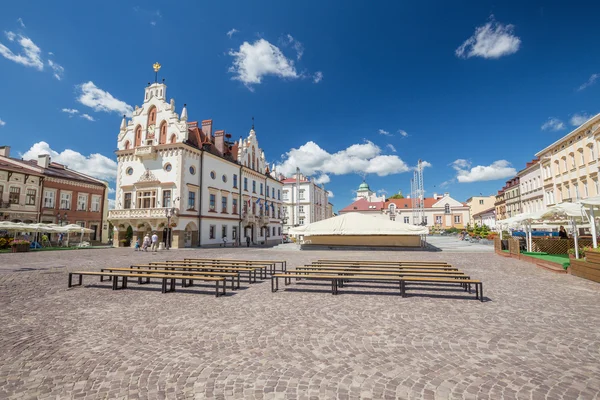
{"x":188,"y":184}
{"x":532,"y":188}
{"x":304,"y":201}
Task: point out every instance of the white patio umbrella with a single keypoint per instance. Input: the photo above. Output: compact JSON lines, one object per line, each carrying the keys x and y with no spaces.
{"x":74,"y":228}
{"x":574,"y":212}
{"x":590,"y":205}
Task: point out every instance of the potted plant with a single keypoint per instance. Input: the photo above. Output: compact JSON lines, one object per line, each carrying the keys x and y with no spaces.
{"x":161,"y":225}
{"x":173,"y":224}
{"x":19,"y":246}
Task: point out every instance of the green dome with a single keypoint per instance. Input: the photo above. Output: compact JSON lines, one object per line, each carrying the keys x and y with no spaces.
{"x":364,"y":186}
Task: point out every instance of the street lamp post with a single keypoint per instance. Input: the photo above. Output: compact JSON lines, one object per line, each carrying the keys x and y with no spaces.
{"x":284,"y":220}
{"x":61,"y":219}
{"x":169,"y":212}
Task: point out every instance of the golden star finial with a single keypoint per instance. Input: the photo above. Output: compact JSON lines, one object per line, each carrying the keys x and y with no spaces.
{"x":156,"y":67}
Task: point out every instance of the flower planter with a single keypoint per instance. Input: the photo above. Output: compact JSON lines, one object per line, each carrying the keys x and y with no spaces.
{"x":20,"y":248}
{"x":592,"y":257}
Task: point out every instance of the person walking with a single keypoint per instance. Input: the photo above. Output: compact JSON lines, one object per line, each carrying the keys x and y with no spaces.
{"x":247,"y":241}
{"x":154,"y":242}
{"x":137,"y":245}
{"x":146,"y":242}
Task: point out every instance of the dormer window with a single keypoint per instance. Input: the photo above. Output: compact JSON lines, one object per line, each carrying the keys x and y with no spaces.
{"x":447,"y":208}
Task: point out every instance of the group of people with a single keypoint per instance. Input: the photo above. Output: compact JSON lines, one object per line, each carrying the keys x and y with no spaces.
{"x":149,"y":241}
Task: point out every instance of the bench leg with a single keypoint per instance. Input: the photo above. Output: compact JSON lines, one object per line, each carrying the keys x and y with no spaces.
{"x":125,"y":280}
{"x":70,"y":284}
{"x":80,"y":280}
{"x":238,"y":280}
{"x":481,"y":292}
{"x":172,"y":288}
{"x":224,"y":286}
{"x":276,"y":283}
{"x":164,"y":285}
{"x":217,"y":288}
{"x":403,"y":288}
{"x":102,"y":276}
{"x":272,"y":284}
{"x":232,"y":283}
{"x":254,"y":276}
{"x":115,"y":283}
{"x":334,"y":286}
{"x":476,"y":292}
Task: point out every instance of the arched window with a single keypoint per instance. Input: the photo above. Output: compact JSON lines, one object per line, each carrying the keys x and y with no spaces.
{"x":163,"y":133}
{"x":173,"y":138}
{"x":138,"y":136}
{"x":447,"y":208}
{"x":127,"y":145}
{"x":152,"y":116}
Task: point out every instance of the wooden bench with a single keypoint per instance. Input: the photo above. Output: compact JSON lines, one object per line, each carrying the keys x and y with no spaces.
{"x":380,"y":268}
{"x":125,"y":276}
{"x":322,"y":261}
{"x":337,"y":281}
{"x":234,"y":276}
{"x":188,"y":267}
{"x":247,"y":262}
{"x":478,"y":284}
{"x":385,"y":265}
{"x":268,"y":266}
{"x":287,"y":280}
{"x":262,"y":269}
{"x":344,"y":272}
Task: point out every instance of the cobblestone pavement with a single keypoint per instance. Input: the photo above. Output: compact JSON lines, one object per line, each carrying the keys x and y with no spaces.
{"x":537,"y":336}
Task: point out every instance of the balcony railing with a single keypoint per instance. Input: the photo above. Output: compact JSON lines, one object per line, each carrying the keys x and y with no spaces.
{"x":145,"y":152}
{"x":139,"y":213}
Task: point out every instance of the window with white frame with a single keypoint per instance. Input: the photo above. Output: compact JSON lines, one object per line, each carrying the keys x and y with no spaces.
{"x":212,"y":231}
{"x":65,"y":201}
{"x":572,"y":160}
{"x":592,"y":155}
{"x":596,"y":187}
{"x":457,"y":219}
{"x":301,"y":194}
{"x":95,"y":203}
{"x":81,"y":223}
{"x":576,"y":190}
{"x":301,"y":221}
{"x":82,"y":202}
{"x":285,"y":195}
{"x":301,"y":209}
{"x":49,"y":199}
{"x":582,"y":158}
{"x":407,"y":220}
{"x":585,"y":189}
{"x":14,"y":194}
{"x":438,"y":220}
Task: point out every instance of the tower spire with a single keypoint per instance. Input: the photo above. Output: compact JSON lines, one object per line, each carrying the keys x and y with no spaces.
{"x":156,"y":66}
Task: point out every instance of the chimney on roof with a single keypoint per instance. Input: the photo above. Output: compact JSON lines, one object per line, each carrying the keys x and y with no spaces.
{"x":207,"y":127}
{"x":220,"y":141}
{"x":446,"y":194}
{"x":43,"y":160}
{"x":5,"y":151}
{"x":435,"y":195}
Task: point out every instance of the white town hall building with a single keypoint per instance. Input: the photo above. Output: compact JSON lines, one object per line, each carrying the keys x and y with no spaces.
{"x":191,"y":186}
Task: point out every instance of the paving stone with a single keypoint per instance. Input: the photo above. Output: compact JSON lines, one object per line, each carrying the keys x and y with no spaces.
{"x":536,"y":336}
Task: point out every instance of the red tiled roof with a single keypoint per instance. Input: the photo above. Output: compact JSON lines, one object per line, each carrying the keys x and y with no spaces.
{"x":293,"y":180}
{"x":407,"y":203}
{"x":56,"y":170}
{"x":363,"y":205}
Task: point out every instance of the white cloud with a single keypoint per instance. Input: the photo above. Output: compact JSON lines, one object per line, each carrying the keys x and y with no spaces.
{"x":95,"y":164}
{"x":254,"y":61}
{"x":330,"y":194}
{"x":497,"y":170}
{"x":492,"y":40}
{"x":100,"y":100}
{"x":384,"y":132}
{"x":88,"y":117}
{"x":402,"y":133}
{"x":31,"y":52}
{"x":391,"y":147}
{"x":70,"y":111}
{"x":593,"y":78}
{"x":2,"y":123}
{"x":111,"y":204}
{"x":364,"y":158}
{"x":58,"y":70}
{"x":317,"y":77}
{"x":426,"y":164}
{"x":553,"y":124}
{"x":111,"y":190}
{"x":232,"y":32}
{"x":20,"y":21}
{"x":579,"y":118}
{"x":324,"y":178}
{"x":290,"y":41}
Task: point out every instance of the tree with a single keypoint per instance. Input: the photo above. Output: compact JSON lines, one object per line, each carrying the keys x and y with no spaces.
{"x":398,"y":195}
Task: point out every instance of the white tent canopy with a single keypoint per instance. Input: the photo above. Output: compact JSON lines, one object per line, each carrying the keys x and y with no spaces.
{"x":359,"y":224}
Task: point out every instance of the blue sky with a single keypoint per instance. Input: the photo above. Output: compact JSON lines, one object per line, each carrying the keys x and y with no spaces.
{"x":474,"y":88}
